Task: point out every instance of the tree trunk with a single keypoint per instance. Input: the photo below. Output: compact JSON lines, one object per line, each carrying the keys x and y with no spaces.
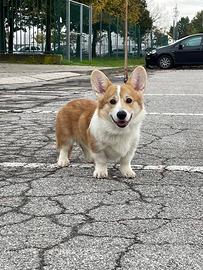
{"x":2,"y":29}
{"x":78,"y":46}
{"x":109,"y":38}
{"x":139,"y":41}
{"x":48,"y":27}
{"x":11,"y":25}
{"x":109,"y":43}
{"x":94,"y":42}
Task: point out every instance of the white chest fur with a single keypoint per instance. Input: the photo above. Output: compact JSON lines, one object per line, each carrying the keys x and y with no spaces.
{"x":115,"y":142}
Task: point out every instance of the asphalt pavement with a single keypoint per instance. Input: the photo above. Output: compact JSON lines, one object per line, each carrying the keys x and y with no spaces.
{"x":15,"y":76}
{"x":62,"y":218}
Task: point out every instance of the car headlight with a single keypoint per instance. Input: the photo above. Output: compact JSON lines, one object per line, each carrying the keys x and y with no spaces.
{"x":153,"y":51}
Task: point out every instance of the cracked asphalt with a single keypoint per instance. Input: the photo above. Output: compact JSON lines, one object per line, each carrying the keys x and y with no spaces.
{"x":64,"y":219}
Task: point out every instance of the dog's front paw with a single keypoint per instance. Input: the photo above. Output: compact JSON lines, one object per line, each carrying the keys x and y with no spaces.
{"x":127,"y":172}
{"x":100,"y":173}
{"x":63,"y":162}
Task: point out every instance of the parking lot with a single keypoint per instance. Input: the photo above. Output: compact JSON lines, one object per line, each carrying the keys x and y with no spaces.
{"x":64,"y":219}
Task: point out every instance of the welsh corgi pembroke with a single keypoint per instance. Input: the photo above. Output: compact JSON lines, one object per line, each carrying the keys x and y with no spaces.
{"x":107,"y":128}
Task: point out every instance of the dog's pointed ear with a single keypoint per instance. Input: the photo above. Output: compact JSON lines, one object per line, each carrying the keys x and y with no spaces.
{"x":138,"y":78}
{"x":99,"y":82}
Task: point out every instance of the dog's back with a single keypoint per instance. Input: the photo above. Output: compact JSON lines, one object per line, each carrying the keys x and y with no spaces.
{"x":73,"y":120}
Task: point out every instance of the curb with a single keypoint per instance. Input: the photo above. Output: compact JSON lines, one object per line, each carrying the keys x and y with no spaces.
{"x":78,"y":74}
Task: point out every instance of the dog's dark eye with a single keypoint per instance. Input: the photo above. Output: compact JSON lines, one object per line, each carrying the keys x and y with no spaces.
{"x":129,"y":100}
{"x":113,"y":101}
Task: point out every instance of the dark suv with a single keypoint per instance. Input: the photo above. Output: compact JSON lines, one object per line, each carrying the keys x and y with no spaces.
{"x":186,"y":51}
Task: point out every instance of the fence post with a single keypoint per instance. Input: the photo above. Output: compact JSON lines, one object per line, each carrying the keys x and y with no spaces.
{"x":90,"y":34}
{"x":68,"y":29}
{"x":81,"y":29}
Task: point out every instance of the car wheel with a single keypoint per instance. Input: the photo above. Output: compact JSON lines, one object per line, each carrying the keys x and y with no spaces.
{"x":165,"y":62}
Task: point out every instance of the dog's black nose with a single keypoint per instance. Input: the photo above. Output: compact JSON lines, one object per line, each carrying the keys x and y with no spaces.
{"x":121,"y":115}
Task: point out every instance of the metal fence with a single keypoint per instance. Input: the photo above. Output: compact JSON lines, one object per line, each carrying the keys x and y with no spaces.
{"x":46,"y":26}
{"x":110,"y":40}
{"x":65,"y":27}
{"x":78,"y":30}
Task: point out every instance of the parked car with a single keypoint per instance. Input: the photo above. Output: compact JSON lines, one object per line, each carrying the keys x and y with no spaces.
{"x":186,"y":51}
{"x":29,"y":49}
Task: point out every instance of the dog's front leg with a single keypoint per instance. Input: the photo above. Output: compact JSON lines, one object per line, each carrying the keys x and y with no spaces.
{"x":125,"y":165}
{"x":100,"y":161}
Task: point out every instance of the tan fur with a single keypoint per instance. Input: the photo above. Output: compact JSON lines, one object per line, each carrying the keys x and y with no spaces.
{"x":103,"y":103}
{"x":73,"y":119}
{"x":128,"y":91}
{"x":72,"y":123}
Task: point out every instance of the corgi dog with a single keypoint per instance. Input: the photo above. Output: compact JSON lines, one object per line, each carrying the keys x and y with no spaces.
{"x":107,"y":128}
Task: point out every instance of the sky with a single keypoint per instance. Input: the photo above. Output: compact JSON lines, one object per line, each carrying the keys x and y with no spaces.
{"x":163,"y":10}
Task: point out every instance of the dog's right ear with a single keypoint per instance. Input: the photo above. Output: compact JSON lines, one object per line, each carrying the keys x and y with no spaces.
{"x":99,"y":82}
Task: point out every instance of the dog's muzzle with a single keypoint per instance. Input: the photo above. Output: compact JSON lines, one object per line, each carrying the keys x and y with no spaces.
{"x":121,"y":122}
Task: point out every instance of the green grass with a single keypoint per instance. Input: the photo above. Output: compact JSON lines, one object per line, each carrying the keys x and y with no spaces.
{"x":105,"y":61}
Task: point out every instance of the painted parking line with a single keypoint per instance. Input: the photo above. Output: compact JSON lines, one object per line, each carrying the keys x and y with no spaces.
{"x":172,"y":95}
{"x":176,"y":114}
{"x":80,"y":165}
{"x":54,"y":112}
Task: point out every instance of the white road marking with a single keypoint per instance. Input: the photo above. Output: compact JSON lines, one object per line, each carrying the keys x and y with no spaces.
{"x":54,"y":112}
{"x":176,"y":114}
{"x":27,"y":111}
{"x":76,"y":89}
{"x":171,"y":95}
{"x":136,"y":167}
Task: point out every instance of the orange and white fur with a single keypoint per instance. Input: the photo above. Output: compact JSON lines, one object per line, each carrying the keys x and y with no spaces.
{"x":106,"y":129}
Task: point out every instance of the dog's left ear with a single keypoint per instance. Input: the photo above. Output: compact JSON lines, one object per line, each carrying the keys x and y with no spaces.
{"x":99,"y":81}
{"x":138,"y":78}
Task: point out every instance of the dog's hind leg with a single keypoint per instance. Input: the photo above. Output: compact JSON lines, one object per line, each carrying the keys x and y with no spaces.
{"x":64,"y":155}
{"x":64,"y":143}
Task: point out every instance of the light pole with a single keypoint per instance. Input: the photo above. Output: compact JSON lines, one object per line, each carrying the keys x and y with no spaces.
{"x":175,"y":16}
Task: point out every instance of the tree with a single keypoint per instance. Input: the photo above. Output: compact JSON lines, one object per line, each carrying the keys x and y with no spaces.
{"x":2,"y":28}
{"x":183,"y":27}
{"x":145,"y":24}
{"x":21,"y":14}
{"x":197,"y":23}
{"x":115,"y":10}
{"x":160,"y":38}
{"x":50,"y":16}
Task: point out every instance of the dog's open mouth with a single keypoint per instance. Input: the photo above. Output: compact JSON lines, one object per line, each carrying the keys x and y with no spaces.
{"x":121,"y":123}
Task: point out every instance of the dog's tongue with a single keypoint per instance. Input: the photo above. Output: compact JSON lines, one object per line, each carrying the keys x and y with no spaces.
{"x":122,"y":123}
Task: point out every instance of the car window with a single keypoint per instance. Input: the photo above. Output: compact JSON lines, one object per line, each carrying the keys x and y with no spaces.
{"x":192,"y":42}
